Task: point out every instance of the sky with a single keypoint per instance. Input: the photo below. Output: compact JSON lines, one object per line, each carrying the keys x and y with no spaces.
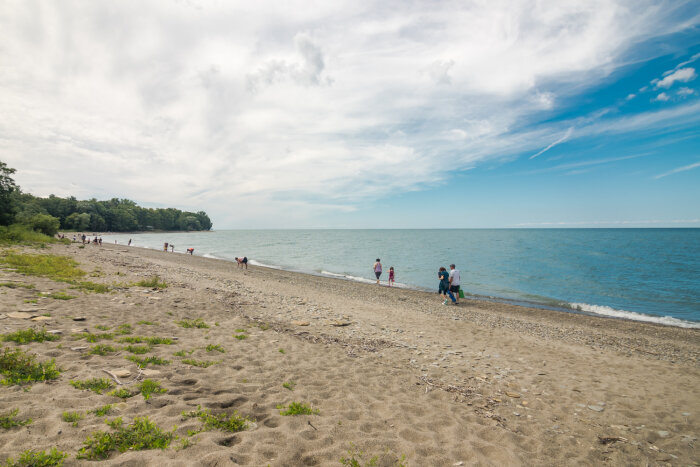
{"x":372,"y":114}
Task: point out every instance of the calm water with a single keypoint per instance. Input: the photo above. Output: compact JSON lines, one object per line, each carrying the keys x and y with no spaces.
{"x":644,"y":274}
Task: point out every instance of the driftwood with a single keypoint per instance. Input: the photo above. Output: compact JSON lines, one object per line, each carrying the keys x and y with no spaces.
{"x":114,"y":377}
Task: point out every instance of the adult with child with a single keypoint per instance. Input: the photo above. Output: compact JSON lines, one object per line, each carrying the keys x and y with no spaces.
{"x":378,"y":269}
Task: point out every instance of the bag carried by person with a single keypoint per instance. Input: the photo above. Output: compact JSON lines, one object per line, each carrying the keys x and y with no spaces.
{"x":461,"y":293}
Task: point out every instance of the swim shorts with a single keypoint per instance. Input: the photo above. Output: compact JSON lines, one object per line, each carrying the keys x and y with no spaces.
{"x":378,"y":273}
{"x":454,"y":288}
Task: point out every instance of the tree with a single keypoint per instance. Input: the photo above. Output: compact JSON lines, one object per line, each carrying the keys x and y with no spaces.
{"x":7,"y":188}
{"x":45,"y":224}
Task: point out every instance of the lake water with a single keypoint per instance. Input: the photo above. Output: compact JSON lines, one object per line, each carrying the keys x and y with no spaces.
{"x":643,"y":274}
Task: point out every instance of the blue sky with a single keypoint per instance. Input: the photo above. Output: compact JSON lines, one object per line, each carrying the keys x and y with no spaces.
{"x":345,"y":115}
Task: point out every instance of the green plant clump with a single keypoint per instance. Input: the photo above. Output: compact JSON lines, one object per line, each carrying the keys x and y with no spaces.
{"x":19,"y":367}
{"x":289,"y":385}
{"x":72,"y":417}
{"x":212,"y":347}
{"x":102,"y":349}
{"x":148,"y":387}
{"x":140,"y":435}
{"x":199,"y":363}
{"x":59,"y":296}
{"x":102,"y":411}
{"x":60,"y":268}
{"x":183,"y":352}
{"x":15,"y":285}
{"x":357,"y":459}
{"x":148,"y":323}
{"x":30,"y":335}
{"x":121,"y":393}
{"x":102,"y":327}
{"x":138,"y":349}
{"x":297,"y":408}
{"x":87,"y":286}
{"x":241,"y":337}
{"x":9,"y":421}
{"x":31,"y":458}
{"x":96,"y":385}
{"x":232,"y":423}
{"x":152,"y":282}
{"x":148,"y":340}
{"x":92,"y":338}
{"x":193,"y":323}
{"x":124,"y":329}
{"x":144,"y":362}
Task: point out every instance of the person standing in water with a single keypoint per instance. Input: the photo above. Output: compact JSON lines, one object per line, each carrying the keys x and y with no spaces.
{"x":391,"y":276}
{"x":378,"y":269}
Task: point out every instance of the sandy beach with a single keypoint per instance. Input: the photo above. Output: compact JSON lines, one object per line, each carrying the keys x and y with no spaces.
{"x":391,"y":373}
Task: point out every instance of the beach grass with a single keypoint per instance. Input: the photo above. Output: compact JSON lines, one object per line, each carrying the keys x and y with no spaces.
{"x":144,"y":362}
{"x":30,"y":335}
{"x":224,"y":422}
{"x":102,"y":349}
{"x":297,"y":408}
{"x":141,"y":434}
{"x":38,"y":458}
{"x":10,"y":421}
{"x":148,"y":387}
{"x":72,"y":417}
{"x":193,"y":323}
{"x":213,"y":347}
{"x":153,"y":282}
{"x":17,"y":285}
{"x":19,"y":367}
{"x":121,"y":393}
{"x":147,"y":340}
{"x":96,"y":385}
{"x":138,"y":349}
{"x":102,"y":411}
{"x":199,"y":363}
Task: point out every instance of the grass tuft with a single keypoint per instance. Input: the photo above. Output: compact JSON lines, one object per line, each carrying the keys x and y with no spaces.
{"x":19,"y":367}
{"x":199,"y":363}
{"x":60,"y":268}
{"x":124,"y":329}
{"x":152,"y":282}
{"x":289,"y":385}
{"x":59,"y":296}
{"x":232,"y":423}
{"x":31,"y":458}
{"x":102,"y":349}
{"x":212,"y":348}
{"x":241,"y":337}
{"x":16,"y":285}
{"x":148,"y":340}
{"x":96,"y":385}
{"x":102,"y":327}
{"x":144,"y":362}
{"x":92,"y":338}
{"x":72,"y":417}
{"x":297,"y":408}
{"x":148,"y":387}
{"x":138,"y":349}
{"x":30,"y":335}
{"x":9,"y":421}
{"x":141,"y":434}
{"x":196,"y":323}
{"x":121,"y":393}
{"x":148,"y":323}
{"x":102,"y":411}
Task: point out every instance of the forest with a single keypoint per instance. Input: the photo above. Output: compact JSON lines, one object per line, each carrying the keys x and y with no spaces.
{"x":49,"y":215}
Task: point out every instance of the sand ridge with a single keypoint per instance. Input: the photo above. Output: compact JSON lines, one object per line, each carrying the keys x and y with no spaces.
{"x":392,"y":372}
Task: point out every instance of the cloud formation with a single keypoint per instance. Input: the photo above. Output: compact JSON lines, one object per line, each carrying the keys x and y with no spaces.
{"x":277,"y":113}
{"x":682,"y":75}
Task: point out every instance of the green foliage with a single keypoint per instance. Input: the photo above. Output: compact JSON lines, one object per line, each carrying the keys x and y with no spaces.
{"x":96,"y":385}
{"x":148,"y":340}
{"x":30,"y":335}
{"x":87,"y":286}
{"x":182,"y":353}
{"x":212,"y":348}
{"x":153,"y":282}
{"x":18,"y":234}
{"x":16,"y":285}
{"x":148,"y":387}
{"x":196,"y":323}
{"x":199,"y":363}
{"x":7,"y":189}
{"x":92,"y":338}
{"x":102,"y":411}
{"x":72,"y":417}
{"x":43,"y":223}
{"x":241,"y":337}
{"x":121,"y":393}
{"x":262,"y":326}
{"x":289,"y":385}
{"x":281,"y":350}
{"x":140,"y":435}
{"x":60,"y":268}
{"x":102,"y":349}
{"x":144,"y":362}
{"x":9,"y":421}
{"x":232,"y":423}
{"x":358,"y":459}
{"x":31,"y":458}
{"x":297,"y":408}
{"x":19,"y":367}
{"x":124,"y":329}
{"x":59,"y":296}
{"x":148,"y":323}
{"x":138,"y":349}
{"x":240,"y":330}
{"x":102,"y":327}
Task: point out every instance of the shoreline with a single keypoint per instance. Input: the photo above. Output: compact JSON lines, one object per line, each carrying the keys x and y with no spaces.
{"x":391,"y":371}
{"x":572,"y":308}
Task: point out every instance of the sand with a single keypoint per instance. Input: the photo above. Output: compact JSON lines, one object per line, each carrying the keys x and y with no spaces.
{"x":392,"y":372}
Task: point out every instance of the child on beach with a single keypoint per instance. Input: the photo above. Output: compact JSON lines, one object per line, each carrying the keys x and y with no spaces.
{"x":391,"y":276}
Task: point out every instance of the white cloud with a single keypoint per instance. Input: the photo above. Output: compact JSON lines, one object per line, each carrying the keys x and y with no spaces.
{"x":682,"y":75}
{"x":558,"y":141}
{"x":679,"y":169}
{"x":662,"y":97}
{"x":351,"y":100}
{"x":685,"y":92}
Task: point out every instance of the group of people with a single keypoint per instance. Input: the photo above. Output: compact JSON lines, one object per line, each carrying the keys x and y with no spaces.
{"x":449,"y":285}
{"x":84,"y":238}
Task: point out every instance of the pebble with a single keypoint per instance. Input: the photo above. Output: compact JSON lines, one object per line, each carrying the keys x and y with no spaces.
{"x":596,"y":408}
{"x":79,"y":318}
{"x":663,"y":433}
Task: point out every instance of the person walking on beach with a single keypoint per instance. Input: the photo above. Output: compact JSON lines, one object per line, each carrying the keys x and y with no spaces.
{"x":129,"y":244}
{"x":378,"y":269}
{"x":454,"y":283}
{"x":444,"y":286}
{"x":391,"y":276}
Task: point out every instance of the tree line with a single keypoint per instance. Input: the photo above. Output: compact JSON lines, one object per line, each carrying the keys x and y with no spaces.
{"x":51,"y":214}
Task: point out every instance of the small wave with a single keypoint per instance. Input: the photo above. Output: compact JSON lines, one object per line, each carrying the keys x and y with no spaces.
{"x":607,"y":311}
{"x":208,"y":255}
{"x":348,"y":277}
{"x":257,"y":263}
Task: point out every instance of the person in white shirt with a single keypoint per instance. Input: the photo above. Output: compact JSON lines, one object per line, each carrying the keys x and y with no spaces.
{"x":454,"y":282}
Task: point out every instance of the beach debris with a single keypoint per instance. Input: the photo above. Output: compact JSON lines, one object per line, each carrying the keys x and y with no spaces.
{"x":610,"y":439}
{"x":459,"y":463}
{"x":20,"y":315}
{"x":596,"y":408}
{"x":79,"y":318}
{"x":311,"y":425}
{"x":41,"y":318}
{"x":79,"y":330}
{"x":340,"y":323}
{"x":514,"y":395}
{"x":301,"y":323}
{"x":114,"y":377}
{"x":663,"y":433}
{"x":55,"y":331}
{"x":78,"y":349}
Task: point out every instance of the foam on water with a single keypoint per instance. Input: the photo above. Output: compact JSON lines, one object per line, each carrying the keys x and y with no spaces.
{"x":257,"y":263}
{"x":631,"y":315}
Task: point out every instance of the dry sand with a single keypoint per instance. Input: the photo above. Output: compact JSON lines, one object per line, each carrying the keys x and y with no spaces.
{"x":392,"y":372}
